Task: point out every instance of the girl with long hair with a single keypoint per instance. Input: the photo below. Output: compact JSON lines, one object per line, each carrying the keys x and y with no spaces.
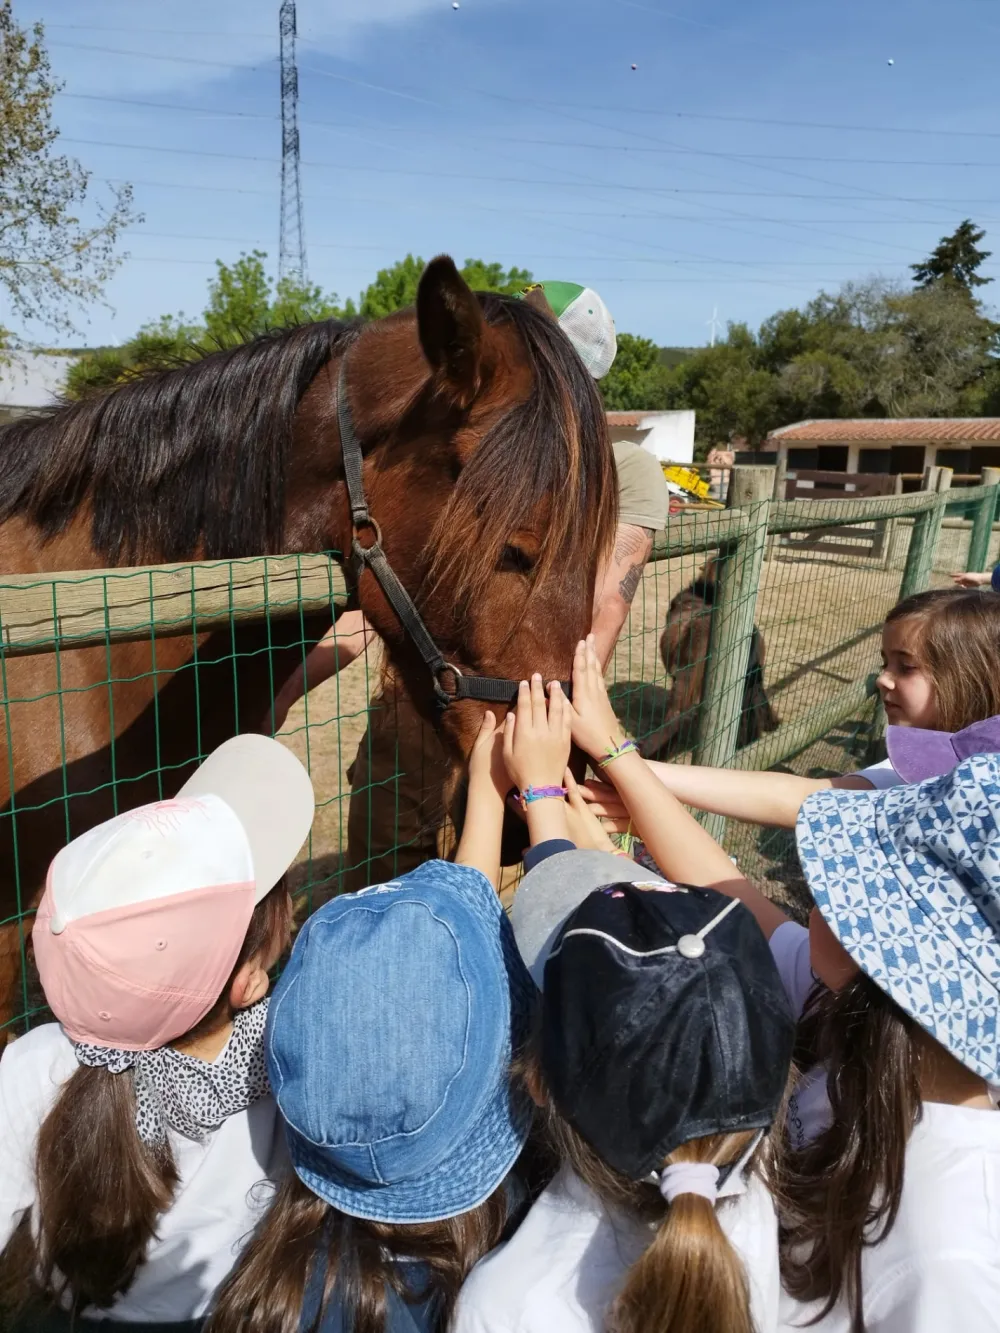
{"x":940,"y":650}
{"x":389,"y":1046}
{"x":137,"y":1133}
{"x":888,"y":1175}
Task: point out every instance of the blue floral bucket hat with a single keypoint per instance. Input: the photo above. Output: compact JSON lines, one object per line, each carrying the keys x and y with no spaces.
{"x":908,"y":879}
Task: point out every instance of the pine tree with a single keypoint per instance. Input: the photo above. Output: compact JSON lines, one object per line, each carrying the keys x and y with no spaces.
{"x":955,"y":259}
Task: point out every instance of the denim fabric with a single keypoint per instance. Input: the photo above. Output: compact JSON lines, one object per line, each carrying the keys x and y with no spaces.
{"x":418,"y":1316}
{"x":995,"y":579}
{"x":389,"y":1042}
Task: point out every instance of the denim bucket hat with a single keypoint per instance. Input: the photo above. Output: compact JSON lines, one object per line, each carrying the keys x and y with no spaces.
{"x":908,"y":879}
{"x":389,"y":1041}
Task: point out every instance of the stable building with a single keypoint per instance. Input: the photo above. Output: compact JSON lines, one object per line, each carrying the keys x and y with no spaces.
{"x":669,"y":436}
{"x":903,"y":446}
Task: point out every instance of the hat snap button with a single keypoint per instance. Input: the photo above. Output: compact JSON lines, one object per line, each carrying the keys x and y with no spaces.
{"x":690,"y":946}
{"x":103,"y":1013}
{"x":161,"y":944}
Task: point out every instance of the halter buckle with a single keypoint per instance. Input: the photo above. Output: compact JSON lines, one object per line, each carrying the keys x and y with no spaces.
{"x":440,"y":693}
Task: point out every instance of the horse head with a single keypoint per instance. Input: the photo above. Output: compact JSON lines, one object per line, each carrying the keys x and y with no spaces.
{"x":489,"y":473}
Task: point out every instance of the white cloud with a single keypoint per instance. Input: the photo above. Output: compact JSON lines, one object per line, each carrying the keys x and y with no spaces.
{"x":240,"y":34}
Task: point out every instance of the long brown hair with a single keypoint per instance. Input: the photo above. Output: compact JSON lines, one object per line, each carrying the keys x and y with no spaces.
{"x":690,"y":1279}
{"x":303,"y":1237}
{"x":840,"y":1194}
{"x":99,"y":1189}
{"x":958,"y":643}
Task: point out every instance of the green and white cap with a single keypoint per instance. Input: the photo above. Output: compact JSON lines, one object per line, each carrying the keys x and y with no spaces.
{"x":586,"y":322}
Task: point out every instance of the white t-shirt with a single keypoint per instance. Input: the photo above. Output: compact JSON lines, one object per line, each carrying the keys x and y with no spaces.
{"x":566,"y":1263}
{"x":880,"y":775}
{"x":938,"y":1269}
{"x":809,"y":1110}
{"x":222,"y":1191}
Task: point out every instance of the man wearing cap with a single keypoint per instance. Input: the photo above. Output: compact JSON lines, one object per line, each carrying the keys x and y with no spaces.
{"x":396,"y":817}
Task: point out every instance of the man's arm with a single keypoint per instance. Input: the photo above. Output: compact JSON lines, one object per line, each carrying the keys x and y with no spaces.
{"x":616,"y":586}
{"x":345,"y":640}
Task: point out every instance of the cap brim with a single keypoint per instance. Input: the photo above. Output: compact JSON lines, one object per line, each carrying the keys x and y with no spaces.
{"x":270,"y":793}
{"x":917,"y":754}
{"x":884,"y":919}
{"x":554,"y":889}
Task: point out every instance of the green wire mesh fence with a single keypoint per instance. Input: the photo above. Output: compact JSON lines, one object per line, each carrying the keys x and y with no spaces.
{"x":752,"y":642}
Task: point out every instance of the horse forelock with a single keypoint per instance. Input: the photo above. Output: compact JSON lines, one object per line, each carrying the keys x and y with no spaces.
{"x":549,"y":455}
{"x":172,"y":461}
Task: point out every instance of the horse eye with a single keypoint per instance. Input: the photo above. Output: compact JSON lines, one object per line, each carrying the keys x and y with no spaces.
{"x":515,"y":560}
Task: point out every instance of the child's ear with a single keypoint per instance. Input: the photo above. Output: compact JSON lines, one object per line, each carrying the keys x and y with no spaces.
{"x":250,"y":984}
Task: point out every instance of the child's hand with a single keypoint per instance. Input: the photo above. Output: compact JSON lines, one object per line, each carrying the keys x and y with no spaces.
{"x":486,"y":762}
{"x":604,"y":803}
{"x":585,"y":829}
{"x":536,"y":739}
{"x":971,"y":580}
{"x":595,"y":727}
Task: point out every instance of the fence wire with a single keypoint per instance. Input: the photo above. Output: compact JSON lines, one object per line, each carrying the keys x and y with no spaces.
{"x":745,"y":647}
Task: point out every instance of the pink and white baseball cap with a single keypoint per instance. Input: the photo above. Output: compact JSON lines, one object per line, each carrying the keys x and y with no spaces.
{"x":143,"y":917}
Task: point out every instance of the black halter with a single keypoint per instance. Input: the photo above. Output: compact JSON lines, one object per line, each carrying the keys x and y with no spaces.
{"x":485,"y":689}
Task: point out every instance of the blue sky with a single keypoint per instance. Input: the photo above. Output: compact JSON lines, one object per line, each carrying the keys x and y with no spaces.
{"x":718,"y":175}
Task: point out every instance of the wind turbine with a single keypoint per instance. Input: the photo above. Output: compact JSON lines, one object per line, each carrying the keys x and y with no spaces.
{"x":713,"y":324}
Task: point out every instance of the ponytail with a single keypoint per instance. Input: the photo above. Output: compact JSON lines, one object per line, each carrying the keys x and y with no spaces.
{"x":690,"y":1279}
{"x":99,"y":1188}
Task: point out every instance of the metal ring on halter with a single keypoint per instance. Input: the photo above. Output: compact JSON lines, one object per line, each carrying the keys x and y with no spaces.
{"x":443,"y":696}
{"x":368,"y":522}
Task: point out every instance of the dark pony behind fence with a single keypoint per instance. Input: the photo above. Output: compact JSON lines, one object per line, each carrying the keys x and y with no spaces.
{"x":684,"y":646}
{"x":487,"y":465}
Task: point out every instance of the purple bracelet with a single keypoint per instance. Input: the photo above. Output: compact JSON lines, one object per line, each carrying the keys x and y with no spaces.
{"x":541,"y":794}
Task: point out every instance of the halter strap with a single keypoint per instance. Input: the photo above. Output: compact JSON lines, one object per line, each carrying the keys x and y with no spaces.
{"x":484,"y":689}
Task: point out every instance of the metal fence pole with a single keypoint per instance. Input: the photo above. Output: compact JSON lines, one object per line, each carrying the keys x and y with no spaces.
{"x":982,"y":524}
{"x":733,"y":610}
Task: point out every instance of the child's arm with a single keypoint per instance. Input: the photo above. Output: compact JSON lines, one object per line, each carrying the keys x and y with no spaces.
{"x":482,"y":830}
{"x":536,"y":746}
{"x":680,"y":846}
{"x":759,"y":798}
{"x":345,"y":640}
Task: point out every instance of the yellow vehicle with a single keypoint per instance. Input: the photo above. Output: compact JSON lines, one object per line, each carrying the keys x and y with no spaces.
{"x":688,"y":485}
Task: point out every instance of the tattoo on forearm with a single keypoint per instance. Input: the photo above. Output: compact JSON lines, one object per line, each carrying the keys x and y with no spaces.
{"x":629,"y":540}
{"x":630,"y":582}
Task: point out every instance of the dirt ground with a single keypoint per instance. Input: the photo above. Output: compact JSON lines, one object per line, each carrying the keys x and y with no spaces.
{"x":820,"y":616}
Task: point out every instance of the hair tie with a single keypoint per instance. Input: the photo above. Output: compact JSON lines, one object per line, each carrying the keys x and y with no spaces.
{"x":700,"y":1178}
{"x":626,"y":747}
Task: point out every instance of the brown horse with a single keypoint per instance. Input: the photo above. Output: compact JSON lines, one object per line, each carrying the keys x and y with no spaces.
{"x":684,"y":647}
{"x":487,"y":466}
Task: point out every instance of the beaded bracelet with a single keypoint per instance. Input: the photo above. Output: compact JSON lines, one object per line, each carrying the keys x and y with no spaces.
{"x":626,"y":747}
{"x":541,"y":794}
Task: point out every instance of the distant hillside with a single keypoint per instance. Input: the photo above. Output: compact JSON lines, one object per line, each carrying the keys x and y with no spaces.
{"x":673,"y":356}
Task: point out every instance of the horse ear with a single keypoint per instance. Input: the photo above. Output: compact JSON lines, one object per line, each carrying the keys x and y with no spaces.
{"x":452,"y":328}
{"x":535,"y":296}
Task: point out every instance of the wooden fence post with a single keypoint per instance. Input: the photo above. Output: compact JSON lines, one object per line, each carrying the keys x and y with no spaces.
{"x":925,"y":533}
{"x":982,"y":524}
{"x":733,"y":610}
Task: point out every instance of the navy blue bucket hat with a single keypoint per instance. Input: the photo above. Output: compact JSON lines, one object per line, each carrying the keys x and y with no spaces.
{"x":389,"y":1041}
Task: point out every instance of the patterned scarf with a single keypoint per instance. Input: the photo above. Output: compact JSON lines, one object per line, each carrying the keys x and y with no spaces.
{"x":181,"y":1092}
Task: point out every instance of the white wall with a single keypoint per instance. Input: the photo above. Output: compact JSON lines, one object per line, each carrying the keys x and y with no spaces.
{"x":669,"y":436}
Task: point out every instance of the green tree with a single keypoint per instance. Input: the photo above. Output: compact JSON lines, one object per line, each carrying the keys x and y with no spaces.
{"x":395,"y":288}
{"x":637,"y":380}
{"x":242,"y":303}
{"x":51,"y":262}
{"x":956,"y":258}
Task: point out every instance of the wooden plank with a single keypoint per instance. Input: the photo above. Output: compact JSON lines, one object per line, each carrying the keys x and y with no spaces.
{"x":86,"y":607}
{"x":801,"y":515}
{"x":733,"y":612}
{"x":791,"y":738}
{"x":687,"y":534}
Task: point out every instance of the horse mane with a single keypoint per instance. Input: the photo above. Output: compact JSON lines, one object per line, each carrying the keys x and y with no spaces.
{"x":553,"y":447}
{"x":172,"y":462}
